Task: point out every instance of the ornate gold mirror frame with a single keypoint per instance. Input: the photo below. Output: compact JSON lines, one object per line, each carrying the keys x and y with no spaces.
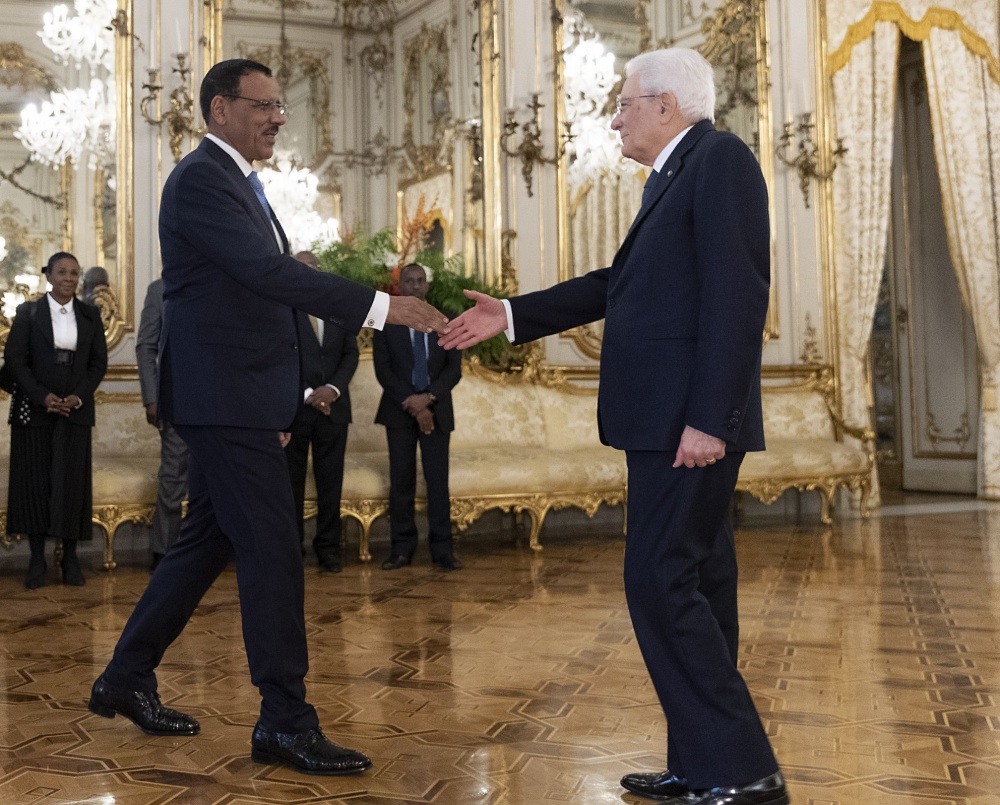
{"x":115,"y":299}
{"x":115,"y":302}
{"x":735,"y":39}
{"x":426,"y":86}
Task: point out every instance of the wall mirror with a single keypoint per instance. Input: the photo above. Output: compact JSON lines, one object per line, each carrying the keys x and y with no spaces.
{"x":603,"y":192}
{"x":386,"y":108}
{"x":66,"y":167}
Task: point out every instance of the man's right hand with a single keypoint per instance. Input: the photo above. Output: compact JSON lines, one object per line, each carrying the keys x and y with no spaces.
{"x":416,"y":313}
{"x":485,"y":319}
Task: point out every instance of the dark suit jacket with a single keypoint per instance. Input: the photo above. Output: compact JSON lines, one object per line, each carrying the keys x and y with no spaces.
{"x":333,"y":362}
{"x":684,"y":303}
{"x":30,"y":356}
{"x":392,"y":354}
{"x":229,"y":349}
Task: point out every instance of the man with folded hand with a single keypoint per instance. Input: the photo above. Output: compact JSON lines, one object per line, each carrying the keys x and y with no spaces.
{"x":229,"y":383}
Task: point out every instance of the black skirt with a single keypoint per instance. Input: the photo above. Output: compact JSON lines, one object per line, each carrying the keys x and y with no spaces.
{"x":50,"y":489}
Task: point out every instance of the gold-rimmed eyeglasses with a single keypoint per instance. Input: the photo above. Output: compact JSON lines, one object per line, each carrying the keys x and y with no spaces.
{"x":623,"y":103}
{"x":279,"y":106}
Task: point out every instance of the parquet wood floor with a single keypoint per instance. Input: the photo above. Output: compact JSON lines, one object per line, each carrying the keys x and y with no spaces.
{"x":872,"y":650}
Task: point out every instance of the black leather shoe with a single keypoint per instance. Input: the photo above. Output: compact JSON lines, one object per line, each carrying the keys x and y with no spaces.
{"x":329,"y":563}
{"x":655,"y":785}
{"x":310,"y":752}
{"x":72,"y":573}
{"x":141,"y":707}
{"x":395,"y":563}
{"x":448,"y":562}
{"x":766,"y":791}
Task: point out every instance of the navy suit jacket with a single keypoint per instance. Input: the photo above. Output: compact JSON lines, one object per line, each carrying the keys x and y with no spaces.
{"x":684,"y":303}
{"x":392,"y":355}
{"x":229,"y":348}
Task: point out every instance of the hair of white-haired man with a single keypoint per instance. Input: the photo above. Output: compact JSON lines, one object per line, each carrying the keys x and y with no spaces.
{"x":682,"y":72}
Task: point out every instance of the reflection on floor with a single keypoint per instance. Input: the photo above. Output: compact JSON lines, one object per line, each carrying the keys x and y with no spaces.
{"x":871,"y":649}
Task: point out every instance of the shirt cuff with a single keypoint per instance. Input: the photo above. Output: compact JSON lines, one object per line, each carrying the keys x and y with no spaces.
{"x":509,"y":332}
{"x":306,"y":393}
{"x":330,"y":385}
{"x":378,"y":312}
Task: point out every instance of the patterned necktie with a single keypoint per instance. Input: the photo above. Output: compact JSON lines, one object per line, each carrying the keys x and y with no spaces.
{"x":421,"y":378}
{"x":258,"y":190}
{"x":647,"y":190}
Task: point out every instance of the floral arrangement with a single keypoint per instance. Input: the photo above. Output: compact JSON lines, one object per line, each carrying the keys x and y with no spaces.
{"x":374,"y":260}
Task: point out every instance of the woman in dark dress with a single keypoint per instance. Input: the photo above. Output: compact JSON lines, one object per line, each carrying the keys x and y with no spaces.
{"x":57,"y":355}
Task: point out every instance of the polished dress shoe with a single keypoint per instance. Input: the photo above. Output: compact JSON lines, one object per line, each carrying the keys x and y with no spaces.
{"x":310,"y":752}
{"x":448,"y":562}
{"x":395,"y":563}
{"x":141,"y":707}
{"x":655,"y":785}
{"x":328,"y":563}
{"x":766,"y":791}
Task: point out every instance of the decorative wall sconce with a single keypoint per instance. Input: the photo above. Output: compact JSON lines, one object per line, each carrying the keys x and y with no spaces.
{"x":530,"y":149}
{"x":180,"y":117}
{"x":806,"y":160}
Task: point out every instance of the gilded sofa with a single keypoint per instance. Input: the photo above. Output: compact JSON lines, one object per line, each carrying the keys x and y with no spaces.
{"x":524,"y":443}
{"x":806,"y":446}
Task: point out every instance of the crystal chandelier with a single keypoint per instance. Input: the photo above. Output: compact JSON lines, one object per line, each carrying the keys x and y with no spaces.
{"x":76,"y":123}
{"x":593,"y":148}
{"x":293,"y":192}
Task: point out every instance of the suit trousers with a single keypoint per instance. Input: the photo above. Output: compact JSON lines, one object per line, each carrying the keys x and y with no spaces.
{"x":329,"y":444}
{"x":171,"y":487}
{"x":240,"y":506}
{"x":403,"y":487}
{"x":680,"y":583}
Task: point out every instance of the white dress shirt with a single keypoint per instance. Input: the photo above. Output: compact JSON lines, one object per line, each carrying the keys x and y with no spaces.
{"x":64,"y":334}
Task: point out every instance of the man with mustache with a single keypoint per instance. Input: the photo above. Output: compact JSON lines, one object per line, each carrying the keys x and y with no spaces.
{"x":229,"y":381}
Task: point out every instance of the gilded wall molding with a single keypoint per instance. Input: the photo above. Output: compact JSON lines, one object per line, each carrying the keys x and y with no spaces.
{"x":917,"y":30}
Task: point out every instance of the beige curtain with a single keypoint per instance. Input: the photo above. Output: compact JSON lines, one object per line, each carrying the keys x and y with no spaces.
{"x":864,"y":99}
{"x":600,"y":217}
{"x":965,"y":117}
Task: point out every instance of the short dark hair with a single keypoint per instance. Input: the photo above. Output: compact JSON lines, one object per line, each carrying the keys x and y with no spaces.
{"x":224,"y":79}
{"x":55,"y":258}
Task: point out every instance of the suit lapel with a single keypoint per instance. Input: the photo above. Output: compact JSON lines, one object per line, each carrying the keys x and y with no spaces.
{"x":667,"y":174}
{"x":44,"y":316}
{"x":250,"y":200}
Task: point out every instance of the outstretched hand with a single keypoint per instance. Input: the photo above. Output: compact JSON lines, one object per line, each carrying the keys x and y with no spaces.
{"x":416,"y":313}
{"x":485,"y":319}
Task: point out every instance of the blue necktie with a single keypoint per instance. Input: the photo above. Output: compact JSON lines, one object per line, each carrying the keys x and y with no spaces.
{"x":421,"y":379}
{"x":258,"y":189}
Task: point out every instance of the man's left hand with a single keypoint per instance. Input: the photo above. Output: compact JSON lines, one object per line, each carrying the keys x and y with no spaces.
{"x":416,"y":403}
{"x":698,"y":449}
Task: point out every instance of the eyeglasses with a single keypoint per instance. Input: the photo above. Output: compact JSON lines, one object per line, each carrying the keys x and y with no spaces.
{"x":623,"y":103}
{"x":279,"y":106}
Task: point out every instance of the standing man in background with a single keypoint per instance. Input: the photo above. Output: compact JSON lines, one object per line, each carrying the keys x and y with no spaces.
{"x":417,"y":377}
{"x":171,"y":480}
{"x":684,"y":304}
{"x":229,"y":380}
{"x":329,"y":358}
